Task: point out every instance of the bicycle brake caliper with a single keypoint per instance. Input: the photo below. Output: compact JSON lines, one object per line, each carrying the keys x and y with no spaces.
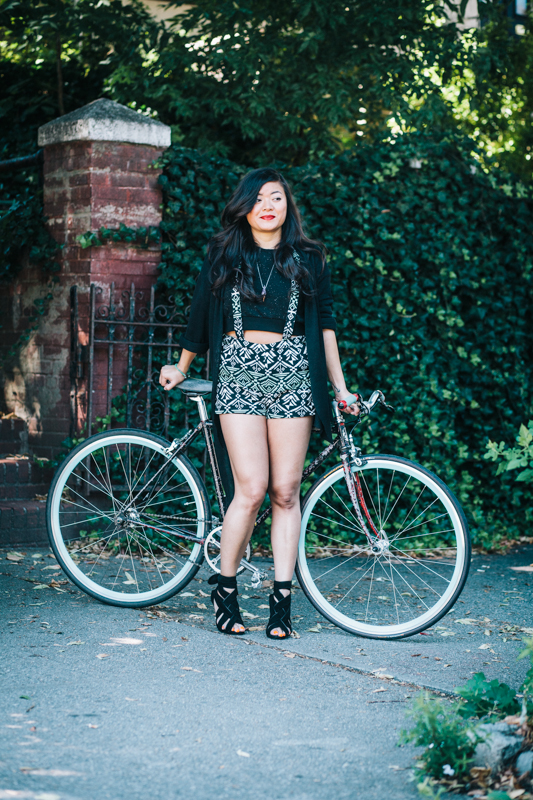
{"x":356,"y":456}
{"x":171,"y":449}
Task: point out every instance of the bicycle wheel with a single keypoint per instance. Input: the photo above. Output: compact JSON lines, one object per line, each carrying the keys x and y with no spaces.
{"x":423,"y":559}
{"x":117,"y":512}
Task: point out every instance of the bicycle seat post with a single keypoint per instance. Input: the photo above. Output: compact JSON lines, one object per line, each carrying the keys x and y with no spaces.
{"x":202,"y":410}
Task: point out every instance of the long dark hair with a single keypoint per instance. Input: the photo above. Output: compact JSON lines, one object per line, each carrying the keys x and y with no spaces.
{"x":233,"y":252}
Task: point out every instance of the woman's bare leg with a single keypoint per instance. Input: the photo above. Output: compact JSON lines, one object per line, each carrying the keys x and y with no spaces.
{"x":246,"y":439}
{"x":288,"y":440}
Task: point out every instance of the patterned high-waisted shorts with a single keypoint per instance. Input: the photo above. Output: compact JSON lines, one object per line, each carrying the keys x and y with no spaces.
{"x":268,"y":380}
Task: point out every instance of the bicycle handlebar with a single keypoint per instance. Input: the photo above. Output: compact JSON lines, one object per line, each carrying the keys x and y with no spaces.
{"x":366,"y":406}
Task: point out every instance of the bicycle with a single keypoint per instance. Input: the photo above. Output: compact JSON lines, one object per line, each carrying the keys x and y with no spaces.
{"x":384,"y":548}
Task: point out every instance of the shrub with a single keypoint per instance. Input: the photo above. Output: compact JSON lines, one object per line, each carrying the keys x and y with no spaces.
{"x":512,"y":458}
{"x":431,"y":262}
{"x":449,"y":741}
{"x":483,"y":698}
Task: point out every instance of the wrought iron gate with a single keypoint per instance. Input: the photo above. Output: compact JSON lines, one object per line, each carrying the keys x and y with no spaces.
{"x":130,"y":338}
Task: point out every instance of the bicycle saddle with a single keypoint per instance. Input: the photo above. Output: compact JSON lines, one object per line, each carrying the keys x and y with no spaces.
{"x":192,"y":387}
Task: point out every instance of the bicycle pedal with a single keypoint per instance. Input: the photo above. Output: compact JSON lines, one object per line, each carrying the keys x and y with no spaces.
{"x":258,"y":577}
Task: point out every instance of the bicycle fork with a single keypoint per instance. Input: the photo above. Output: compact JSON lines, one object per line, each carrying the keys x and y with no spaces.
{"x":352,"y":459}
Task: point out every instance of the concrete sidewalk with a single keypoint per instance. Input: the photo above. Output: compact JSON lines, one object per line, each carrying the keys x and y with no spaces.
{"x":101,"y":702}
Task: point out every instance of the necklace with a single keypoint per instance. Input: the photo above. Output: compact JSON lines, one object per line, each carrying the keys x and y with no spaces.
{"x":264,"y":285}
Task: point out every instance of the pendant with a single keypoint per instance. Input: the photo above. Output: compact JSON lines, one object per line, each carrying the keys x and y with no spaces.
{"x":264,"y":293}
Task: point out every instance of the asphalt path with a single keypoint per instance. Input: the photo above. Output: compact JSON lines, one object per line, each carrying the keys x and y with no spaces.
{"x":100,"y":702}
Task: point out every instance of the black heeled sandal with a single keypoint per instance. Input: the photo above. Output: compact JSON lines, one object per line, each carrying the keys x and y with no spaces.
{"x":280,"y":611}
{"x":227,"y":613}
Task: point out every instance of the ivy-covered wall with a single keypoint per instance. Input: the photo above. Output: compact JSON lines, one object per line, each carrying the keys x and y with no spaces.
{"x":432,"y":270}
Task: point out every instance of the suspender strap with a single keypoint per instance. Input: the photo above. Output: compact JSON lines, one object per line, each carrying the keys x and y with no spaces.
{"x":291,"y":311}
{"x":237,"y":313}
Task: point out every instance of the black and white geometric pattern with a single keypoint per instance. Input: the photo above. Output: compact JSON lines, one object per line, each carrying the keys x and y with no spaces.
{"x":269,"y":380}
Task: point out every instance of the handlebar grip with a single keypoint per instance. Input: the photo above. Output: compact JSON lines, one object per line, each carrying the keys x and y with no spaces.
{"x":350,"y":400}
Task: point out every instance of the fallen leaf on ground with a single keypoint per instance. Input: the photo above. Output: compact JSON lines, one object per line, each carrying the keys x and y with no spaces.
{"x":466,"y":621}
{"x":484,"y":647}
{"x":248,"y":615}
{"x":68,"y":645}
{"x":102,"y":655}
{"x":126,"y":640}
{"x":90,"y":725}
{"x":14,"y":556}
{"x":257,"y":627}
{"x":190,"y":668}
{"x":131,"y":579}
{"x":316,"y":629}
{"x":448,"y":633}
{"x":202,"y":605}
{"x":382,"y":689}
{"x":187,"y":594}
{"x":263,"y":606}
{"x":513,"y":720}
{"x":202,"y":594}
{"x":243,"y":753}
{"x":41,"y":586}
{"x":295,"y":635}
{"x":52,"y":773}
{"x":415,"y":655}
{"x":516,"y":569}
{"x":289,"y":655}
{"x":56,"y":567}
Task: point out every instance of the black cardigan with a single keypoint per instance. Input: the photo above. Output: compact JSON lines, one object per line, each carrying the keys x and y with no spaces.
{"x":205,"y":330}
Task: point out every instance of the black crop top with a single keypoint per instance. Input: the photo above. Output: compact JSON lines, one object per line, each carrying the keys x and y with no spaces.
{"x":271,"y":314}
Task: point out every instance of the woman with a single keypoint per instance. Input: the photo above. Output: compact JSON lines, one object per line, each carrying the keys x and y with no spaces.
{"x":262,"y":306}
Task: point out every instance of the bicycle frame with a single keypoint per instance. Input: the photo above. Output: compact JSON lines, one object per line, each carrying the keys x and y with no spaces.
{"x":351,"y":458}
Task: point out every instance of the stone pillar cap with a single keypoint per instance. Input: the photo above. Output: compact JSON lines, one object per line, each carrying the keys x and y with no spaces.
{"x":107,"y":121}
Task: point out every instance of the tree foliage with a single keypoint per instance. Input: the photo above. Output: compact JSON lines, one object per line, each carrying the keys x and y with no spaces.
{"x":288,"y":80}
{"x":432,"y":274}
{"x":56,"y":55}
{"x":296,"y":80}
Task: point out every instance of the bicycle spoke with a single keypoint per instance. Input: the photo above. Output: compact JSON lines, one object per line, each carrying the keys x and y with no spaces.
{"x":385,"y":585}
{"x":128,"y":536}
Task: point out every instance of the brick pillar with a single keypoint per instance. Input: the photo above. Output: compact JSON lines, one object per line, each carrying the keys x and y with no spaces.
{"x":97,"y":172}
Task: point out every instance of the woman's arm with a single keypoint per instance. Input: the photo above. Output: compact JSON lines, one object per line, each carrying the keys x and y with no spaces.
{"x":335,"y":373}
{"x":169,"y":377}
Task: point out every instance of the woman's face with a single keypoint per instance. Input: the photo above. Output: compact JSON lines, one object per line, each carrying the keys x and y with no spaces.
{"x":270,"y":209}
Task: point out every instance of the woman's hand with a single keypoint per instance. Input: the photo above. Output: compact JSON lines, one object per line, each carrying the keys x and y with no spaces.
{"x":354,"y":409}
{"x":169,"y":377}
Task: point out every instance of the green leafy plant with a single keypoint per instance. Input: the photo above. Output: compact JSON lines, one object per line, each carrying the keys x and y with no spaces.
{"x":511,"y":458}
{"x":144,"y":236}
{"x":527,"y":686}
{"x":426,"y":264}
{"x":25,"y":237}
{"x":449,"y":741}
{"x":485,"y":698}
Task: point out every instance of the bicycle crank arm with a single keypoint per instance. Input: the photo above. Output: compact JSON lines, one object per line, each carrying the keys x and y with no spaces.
{"x":258,"y":575}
